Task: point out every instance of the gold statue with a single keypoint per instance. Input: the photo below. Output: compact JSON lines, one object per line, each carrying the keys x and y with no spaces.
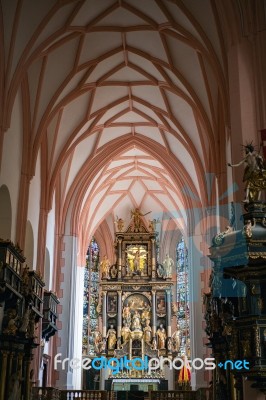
{"x":136,"y":321}
{"x":246,"y":347}
{"x":254,"y":173}
{"x":126,"y":314}
{"x":161,"y":335}
{"x":97,"y":341}
{"x":176,"y":339}
{"x":119,"y":224}
{"x":111,"y":338}
{"x":146,"y":313}
{"x":147,"y":331}
{"x":136,"y":215}
{"x":105,"y":268}
{"x":125,"y":332}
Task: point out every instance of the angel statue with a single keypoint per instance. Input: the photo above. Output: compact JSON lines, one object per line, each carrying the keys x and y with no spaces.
{"x":119,"y":224}
{"x":152,"y":224}
{"x":254,"y":173}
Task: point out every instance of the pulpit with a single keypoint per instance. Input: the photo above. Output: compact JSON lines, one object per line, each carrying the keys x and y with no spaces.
{"x":21,"y":298}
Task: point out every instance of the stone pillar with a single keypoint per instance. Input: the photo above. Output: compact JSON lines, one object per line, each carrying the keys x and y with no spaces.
{"x":10,"y":361}
{"x":119,"y":318}
{"x":197,"y":333}
{"x":77,"y":341}
{"x":103,"y":377}
{"x":154,"y":318}
{"x":168,"y":312}
{"x":153,"y":258}
{"x":19,"y":367}
{"x":104,"y":313}
{"x":27,"y":379}
{"x":169,"y":376}
{"x":119,"y":249}
{"x":2,"y":307}
{"x":68,"y":293}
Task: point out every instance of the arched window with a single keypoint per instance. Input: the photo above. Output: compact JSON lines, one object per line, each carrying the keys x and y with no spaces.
{"x":91,"y":298}
{"x":182,"y":296}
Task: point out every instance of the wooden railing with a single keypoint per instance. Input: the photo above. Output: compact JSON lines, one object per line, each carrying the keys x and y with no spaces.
{"x":42,"y":393}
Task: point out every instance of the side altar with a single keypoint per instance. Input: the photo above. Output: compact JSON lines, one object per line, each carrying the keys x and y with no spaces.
{"x":135,"y":307}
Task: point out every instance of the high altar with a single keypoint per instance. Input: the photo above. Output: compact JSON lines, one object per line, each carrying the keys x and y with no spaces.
{"x":136,"y":306}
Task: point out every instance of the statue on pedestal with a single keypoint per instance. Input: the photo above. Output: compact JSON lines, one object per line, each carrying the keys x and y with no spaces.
{"x":176,"y":339}
{"x":104,"y":267}
{"x":97,"y":341}
{"x":136,"y":321}
{"x":125,"y":332}
{"x":147,"y":331}
{"x":161,"y":335}
{"x":126,"y":314}
{"x":146,"y":313}
{"x":136,"y":215}
{"x":119,"y":224}
{"x":168,"y":264}
{"x":254,"y":173}
{"x":111,"y":338}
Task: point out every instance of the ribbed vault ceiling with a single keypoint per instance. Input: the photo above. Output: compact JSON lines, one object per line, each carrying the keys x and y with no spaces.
{"x":125,"y":98}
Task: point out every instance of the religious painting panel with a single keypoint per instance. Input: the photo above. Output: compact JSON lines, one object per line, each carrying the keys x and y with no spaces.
{"x":160,"y":303}
{"x":112,"y":302}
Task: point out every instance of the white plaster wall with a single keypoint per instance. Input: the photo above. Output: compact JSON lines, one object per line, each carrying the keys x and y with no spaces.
{"x":50,"y":237}
{"x":11,"y":160}
{"x":34,"y":206}
{"x":68,"y":303}
{"x":77,"y":374}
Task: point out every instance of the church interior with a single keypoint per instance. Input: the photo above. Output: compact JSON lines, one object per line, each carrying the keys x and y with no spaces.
{"x":132,"y":199}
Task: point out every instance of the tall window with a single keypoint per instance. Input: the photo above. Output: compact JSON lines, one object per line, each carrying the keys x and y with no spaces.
{"x":182,"y":294}
{"x":91,"y":298}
